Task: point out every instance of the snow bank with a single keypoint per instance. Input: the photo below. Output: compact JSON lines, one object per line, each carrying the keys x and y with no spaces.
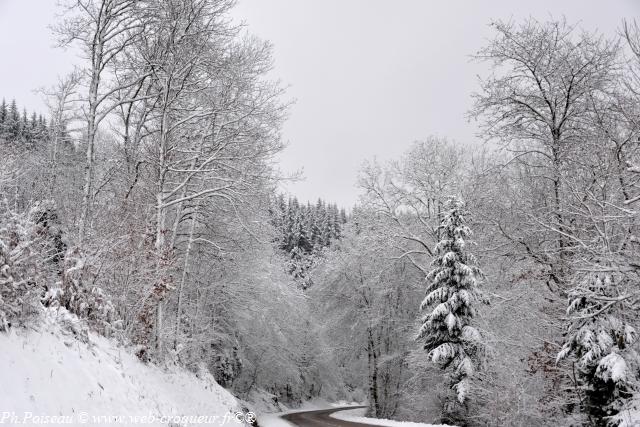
{"x":273,"y":420}
{"x":48,"y":373}
{"x":356,"y":416}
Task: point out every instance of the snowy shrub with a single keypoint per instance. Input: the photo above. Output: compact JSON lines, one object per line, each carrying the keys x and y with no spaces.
{"x":226,"y":366}
{"x":23,"y":271}
{"x":76,"y":295}
{"x":45,"y":216}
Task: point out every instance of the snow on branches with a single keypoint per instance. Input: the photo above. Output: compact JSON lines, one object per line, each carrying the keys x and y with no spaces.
{"x":75,"y":293}
{"x":452,"y":292}
{"x":29,"y":253}
{"x":19,"y":260}
{"x":600,"y":343}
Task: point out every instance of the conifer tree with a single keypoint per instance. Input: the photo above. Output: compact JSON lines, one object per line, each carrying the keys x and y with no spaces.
{"x":12,"y":124}
{"x":452,"y":294}
{"x":316,"y":232}
{"x":600,"y":342}
{"x":33,"y":126}
{"x":303,"y":231}
{"x":42,"y":124}
{"x":24,"y":126}
{"x":334,"y":222}
{"x":3,"y":112}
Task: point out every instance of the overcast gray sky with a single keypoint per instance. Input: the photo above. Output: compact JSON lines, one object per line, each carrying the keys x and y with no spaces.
{"x":369,"y":76}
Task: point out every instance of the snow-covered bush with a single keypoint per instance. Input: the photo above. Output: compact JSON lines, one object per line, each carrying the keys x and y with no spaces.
{"x":600,"y":341}
{"x":44,"y":215}
{"x":226,"y":366}
{"x":75,"y":294}
{"x":23,"y":268}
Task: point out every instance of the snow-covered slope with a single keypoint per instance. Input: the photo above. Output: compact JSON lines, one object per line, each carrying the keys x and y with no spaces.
{"x":49,"y":373}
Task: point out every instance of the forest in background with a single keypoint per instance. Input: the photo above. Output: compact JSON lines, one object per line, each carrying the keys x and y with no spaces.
{"x":147,"y":204}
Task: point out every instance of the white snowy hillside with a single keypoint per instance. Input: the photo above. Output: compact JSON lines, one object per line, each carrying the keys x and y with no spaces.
{"x":54,"y":374}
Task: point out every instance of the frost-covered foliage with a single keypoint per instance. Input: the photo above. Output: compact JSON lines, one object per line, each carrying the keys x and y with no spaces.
{"x":30,"y":245}
{"x":452,"y":291}
{"x":75,"y":293}
{"x":298,"y":266}
{"x":22,"y":268}
{"x":600,"y":342}
{"x":360,"y":284}
{"x":279,"y":344}
{"x":45,"y":215}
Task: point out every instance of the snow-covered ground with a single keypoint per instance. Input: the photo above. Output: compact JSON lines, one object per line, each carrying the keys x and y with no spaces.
{"x":48,"y":376}
{"x":49,"y":373}
{"x":273,"y":420}
{"x":357,"y":416}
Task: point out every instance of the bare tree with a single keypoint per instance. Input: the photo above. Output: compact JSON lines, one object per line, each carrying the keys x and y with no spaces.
{"x":61,"y":101}
{"x":410,"y":193}
{"x":537,"y":104}
{"x":102,"y":30}
{"x":210,"y":127}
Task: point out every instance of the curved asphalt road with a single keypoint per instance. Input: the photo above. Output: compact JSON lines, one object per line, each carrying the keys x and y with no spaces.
{"x":321,"y":418}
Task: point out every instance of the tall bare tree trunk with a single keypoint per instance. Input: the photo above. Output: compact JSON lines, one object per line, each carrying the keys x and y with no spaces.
{"x":161,"y":219}
{"x":87,"y":196}
{"x":184,"y":277}
{"x":374,"y":405}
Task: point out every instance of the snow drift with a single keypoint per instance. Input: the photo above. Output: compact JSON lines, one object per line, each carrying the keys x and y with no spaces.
{"x":49,"y":376}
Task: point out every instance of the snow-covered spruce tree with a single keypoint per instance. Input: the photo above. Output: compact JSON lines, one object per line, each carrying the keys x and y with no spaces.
{"x":600,"y":344}
{"x":452,"y":293}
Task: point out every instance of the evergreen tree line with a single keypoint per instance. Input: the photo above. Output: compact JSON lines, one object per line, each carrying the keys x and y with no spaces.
{"x":303,"y":231}
{"x":306,"y":229}
{"x":16,"y":126}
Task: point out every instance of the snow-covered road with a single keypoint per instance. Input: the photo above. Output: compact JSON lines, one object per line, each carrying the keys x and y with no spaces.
{"x":343,"y":417}
{"x":320,"y":418}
